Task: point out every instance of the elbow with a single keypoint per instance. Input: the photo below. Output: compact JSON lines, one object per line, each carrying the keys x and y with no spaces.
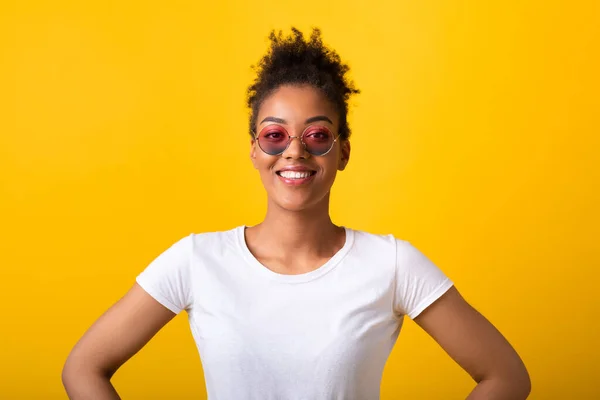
{"x":68,"y":375}
{"x":68,"y":369}
{"x":518,"y":383}
{"x":78,"y":372}
{"x":72,"y":372}
{"x":520,"y":390}
{"x":521,"y":381}
{"x":525,"y":386}
{"x":511,"y":384}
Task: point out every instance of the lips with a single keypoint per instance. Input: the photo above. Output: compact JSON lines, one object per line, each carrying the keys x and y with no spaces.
{"x":295,"y":172}
{"x":295,"y":175}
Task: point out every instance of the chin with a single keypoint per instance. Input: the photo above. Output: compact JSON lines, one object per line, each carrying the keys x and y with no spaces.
{"x":297,"y":202}
{"x":294,"y":205}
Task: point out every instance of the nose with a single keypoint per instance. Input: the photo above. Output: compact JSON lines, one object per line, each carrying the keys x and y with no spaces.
{"x":296,"y":149}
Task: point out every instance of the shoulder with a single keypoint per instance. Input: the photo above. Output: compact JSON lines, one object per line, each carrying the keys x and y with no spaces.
{"x":380,"y":241}
{"x":215,"y":236}
{"x":404,"y":254}
{"x":374,"y":248}
{"x":215,"y":241}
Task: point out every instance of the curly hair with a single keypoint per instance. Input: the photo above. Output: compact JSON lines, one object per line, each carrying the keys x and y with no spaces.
{"x":292,"y":60}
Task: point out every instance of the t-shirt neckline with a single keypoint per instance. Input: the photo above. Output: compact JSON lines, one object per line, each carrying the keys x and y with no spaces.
{"x":297,"y":278}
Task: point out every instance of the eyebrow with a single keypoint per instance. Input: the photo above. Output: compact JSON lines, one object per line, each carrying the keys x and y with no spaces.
{"x":308,"y":121}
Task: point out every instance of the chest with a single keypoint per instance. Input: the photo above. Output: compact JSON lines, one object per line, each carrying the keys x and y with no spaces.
{"x":332,"y":318}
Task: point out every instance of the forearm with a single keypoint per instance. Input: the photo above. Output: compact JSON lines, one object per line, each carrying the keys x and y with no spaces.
{"x":499,"y":389}
{"x":89,"y":385}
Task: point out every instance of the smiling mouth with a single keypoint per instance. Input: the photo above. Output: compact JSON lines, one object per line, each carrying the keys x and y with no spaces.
{"x":296,"y":174}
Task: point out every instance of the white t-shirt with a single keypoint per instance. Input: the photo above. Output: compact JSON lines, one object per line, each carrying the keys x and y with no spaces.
{"x":325,"y":334}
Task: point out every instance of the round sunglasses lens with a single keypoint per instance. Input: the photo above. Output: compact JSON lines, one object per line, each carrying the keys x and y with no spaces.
{"x":273,"y":140}
{"x":318,"y":140}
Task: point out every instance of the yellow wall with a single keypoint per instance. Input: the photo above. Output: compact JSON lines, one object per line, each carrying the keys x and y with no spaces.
{"x":123,"y":128}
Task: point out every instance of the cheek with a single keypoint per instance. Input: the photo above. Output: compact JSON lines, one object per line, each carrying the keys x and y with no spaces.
{"x":329,"y":170}
{"x":264,"y":165}
{"x":331,"y":175}
{"x":332,"y":161}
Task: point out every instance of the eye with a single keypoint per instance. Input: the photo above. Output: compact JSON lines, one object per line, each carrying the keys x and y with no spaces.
{"x":318,"y":134}
{"x":273,"y":135}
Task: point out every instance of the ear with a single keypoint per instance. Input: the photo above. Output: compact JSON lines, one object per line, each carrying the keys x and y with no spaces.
{"x":344,"y":154}
{"x":253,"y":152}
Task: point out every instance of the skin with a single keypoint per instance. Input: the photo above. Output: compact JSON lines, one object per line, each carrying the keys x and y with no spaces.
{"x":296,"y":236}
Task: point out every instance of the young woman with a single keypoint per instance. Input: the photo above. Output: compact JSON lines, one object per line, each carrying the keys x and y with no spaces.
{"x":295,"y":307}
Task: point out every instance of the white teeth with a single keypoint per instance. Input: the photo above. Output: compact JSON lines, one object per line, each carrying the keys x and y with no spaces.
{"x":294,"y":174}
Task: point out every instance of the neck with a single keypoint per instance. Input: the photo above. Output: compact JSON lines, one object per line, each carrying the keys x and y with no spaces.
{"x":310,"y":230}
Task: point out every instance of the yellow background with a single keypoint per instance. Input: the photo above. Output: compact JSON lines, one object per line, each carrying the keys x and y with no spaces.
{"x":123,"y":128}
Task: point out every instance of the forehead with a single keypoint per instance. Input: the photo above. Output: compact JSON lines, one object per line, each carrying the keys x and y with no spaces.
{"x":296,"y":103}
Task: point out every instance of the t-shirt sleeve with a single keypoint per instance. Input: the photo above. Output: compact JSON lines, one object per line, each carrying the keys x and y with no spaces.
{"x":419,"y":282}
{"x":168,"y":277}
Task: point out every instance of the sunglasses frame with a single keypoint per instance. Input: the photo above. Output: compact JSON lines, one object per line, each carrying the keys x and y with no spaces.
{"x":290,"y":137}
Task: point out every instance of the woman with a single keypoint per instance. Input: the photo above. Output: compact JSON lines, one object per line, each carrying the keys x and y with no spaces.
{"x":295,"y":307}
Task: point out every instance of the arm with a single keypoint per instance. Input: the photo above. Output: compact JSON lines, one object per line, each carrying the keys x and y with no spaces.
{"x":477,"y":346}
{"x":113,"y":339}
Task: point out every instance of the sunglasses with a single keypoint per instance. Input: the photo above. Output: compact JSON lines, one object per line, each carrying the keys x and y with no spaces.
{"x":274,"y":140}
